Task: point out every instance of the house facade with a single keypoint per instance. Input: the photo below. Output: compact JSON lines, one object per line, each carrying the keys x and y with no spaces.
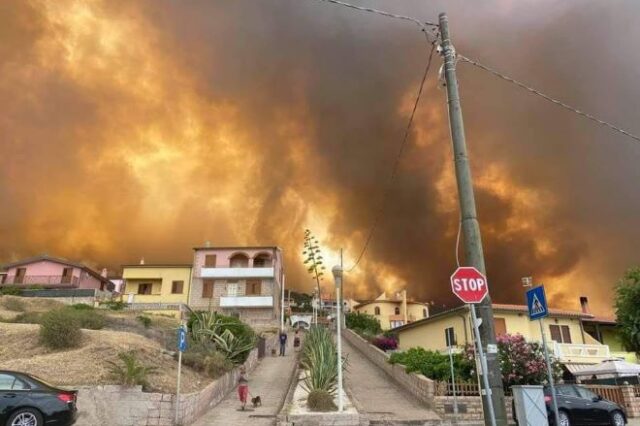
{"x":156,"y":284}
{"x":564,"y":329}
{"x":393,"y":311}
{"x":53,"y":273}
{"x":240,"y":281}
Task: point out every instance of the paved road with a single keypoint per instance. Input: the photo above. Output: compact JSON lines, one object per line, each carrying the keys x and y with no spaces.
{"x":270,"y":380}
{"x":377,"y":396}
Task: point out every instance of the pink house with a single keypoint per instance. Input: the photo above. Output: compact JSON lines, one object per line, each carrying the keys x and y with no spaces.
{"x":241,"y":281}
{"x":50,"y":272}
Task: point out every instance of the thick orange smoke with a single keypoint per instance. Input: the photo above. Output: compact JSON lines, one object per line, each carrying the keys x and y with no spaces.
{"x":142,"y":129}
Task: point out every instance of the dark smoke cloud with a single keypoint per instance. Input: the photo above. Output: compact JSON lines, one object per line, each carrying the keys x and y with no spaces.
{"x":142,"y":129}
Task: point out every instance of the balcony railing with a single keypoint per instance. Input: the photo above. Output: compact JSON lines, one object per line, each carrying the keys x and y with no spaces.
{"x":237,"y":272}
{"x":570,"y":350}
{"x":41,"y":280}
{"x":246,"y":301}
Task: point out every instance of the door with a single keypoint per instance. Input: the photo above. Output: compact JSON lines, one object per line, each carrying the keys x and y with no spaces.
{"x":20,"y":273}
{"x":500,"y":326}
{"x":11,"y":394}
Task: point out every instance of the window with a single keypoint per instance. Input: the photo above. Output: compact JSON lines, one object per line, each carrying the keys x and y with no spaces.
{"x":376,"y":310}
{"x":66,"y":275}
{"x":450,"y":337}
{"x":10,"y":382}
{"x":239,"y":261}
{"x":424,"y":313}
{"x":397,"y":310}
{"x":207,"y":288}
{"x":210,"y":261}
{"x":395,"y":324}
{"x":262,"y":261}
{"x":253,"y":288}
{"x":177,"y":287}
{"x":500,"y":326}
{"x":20,"y":273}
{"x":585,"y":393}
{"x":560,"y":333}
{"x":566,"y":390}
{"x":144,"y":288}
{"x":232,"y":288}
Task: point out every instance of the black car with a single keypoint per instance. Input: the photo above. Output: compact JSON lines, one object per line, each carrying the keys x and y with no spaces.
{"x":577,"y":405}
{"x":28,"y":401}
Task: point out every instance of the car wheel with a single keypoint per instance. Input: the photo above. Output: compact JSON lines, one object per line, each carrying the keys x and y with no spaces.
{"x":617,"y":419}
{"x":563,"y":418}
{"x":26,"y":417}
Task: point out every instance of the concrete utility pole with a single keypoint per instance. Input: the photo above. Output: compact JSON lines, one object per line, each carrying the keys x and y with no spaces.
{"x":470,"y":226}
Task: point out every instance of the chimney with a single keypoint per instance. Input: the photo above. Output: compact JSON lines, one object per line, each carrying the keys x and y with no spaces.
{"x":404,"y":306}
{"x":103,"y":274}
{"x":584,"y":304}
{"x":207,"y":243}
{"x":142,"y":261}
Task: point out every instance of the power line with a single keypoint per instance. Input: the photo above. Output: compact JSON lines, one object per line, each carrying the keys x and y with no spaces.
{"x":420,"y":23}
{"x":396,"y":163}
{"x":549,"y":98}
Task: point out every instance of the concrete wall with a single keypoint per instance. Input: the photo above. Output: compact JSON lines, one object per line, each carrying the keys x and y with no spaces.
{"x":417,"y":384}
{"x":469,"y":407}
{"x":121,"y":406}
{"x":161,"y":278}
{"x":430,"y":334}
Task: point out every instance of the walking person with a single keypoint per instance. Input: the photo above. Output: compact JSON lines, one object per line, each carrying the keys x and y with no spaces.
{"x":283,"y":342}
{"x":243,"y":387}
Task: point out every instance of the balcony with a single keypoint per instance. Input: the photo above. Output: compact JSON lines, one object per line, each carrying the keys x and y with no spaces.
{"x":41,"y":280}
{"x":233,"y":273}
{"x":569,"y":352}
{"x":246,"y":301}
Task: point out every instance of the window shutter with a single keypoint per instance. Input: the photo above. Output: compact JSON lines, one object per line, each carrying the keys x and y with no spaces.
{"x":210,"y":261}
{"x":555,"y":333}
{"x":566,"y":334}
{"x":207,"y":288}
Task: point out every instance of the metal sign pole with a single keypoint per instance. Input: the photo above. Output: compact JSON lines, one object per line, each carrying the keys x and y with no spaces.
{"x":483,"y":364}
{"x":182,"y":346}
{"x":549,"y":374}
{"x":453,"y":383}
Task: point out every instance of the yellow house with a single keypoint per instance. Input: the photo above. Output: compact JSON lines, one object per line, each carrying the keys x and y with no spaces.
{"x":564,"y":330}
{"x":156,"y":284}
{"x":394,"y":311}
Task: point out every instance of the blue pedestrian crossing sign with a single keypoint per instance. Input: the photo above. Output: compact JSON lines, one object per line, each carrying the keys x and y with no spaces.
{"x":537,"y":303}
{"x":182,"y":338}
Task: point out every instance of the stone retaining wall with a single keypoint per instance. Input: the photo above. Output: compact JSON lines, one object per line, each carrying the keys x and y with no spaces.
{"x":469,"y":407}
{"x":121,"y":406}
{"x":417,"y":384}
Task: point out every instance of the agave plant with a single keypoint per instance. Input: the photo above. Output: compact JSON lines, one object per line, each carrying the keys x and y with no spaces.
{"x":234,"y":348}
{"x":320,"y":359}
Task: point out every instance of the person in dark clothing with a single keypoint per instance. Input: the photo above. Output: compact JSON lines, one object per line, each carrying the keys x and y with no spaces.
{"x":283,"y":342}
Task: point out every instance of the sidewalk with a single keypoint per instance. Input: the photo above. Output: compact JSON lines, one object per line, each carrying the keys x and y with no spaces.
{"x":376,"y":395}
{"x":270,"y":380}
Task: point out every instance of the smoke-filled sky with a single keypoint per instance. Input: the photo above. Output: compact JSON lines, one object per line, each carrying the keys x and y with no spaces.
{"x":142,"y":129}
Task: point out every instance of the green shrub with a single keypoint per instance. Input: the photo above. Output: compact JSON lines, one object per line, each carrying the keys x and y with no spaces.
{"x":88,"y":319}
{"x":129,"y":371}
{"x":13,"y":303}
{"x":203,"y":357}
{"x":27,"y":318}
{"x":114,"y":305}
{"x":144,"y":320}
{"x":363,"y":324}
{"x":231,"y":336}
{"x":10,"y":290}
{"x":82,"y":307}
{"x":60,"y":329}
{"x":434,"y":365}
{"x":319,"y":400}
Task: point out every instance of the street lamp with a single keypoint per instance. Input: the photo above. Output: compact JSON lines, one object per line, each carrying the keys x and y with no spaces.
{"x":337,"y":276}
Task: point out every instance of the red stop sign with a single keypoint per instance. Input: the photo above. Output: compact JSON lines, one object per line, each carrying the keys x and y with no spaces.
{"x":469,"y":284}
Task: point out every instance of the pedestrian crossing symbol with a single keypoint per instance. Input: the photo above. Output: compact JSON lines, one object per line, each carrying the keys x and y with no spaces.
{"x":537,"y":303}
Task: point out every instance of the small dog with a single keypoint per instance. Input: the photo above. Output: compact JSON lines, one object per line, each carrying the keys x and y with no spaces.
{"x":256,"y":401}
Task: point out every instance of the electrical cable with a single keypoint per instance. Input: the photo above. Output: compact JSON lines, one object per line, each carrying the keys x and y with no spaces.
{"x":421,"y":24}
{"x":549,"y":98}
{"x":394,"y":170}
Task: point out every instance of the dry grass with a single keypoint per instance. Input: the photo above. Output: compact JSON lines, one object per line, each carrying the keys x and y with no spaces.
{"x":34,"y":304}
{"x":86,"y":365}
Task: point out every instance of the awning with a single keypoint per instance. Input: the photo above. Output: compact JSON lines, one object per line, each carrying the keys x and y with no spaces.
{"x":611,"y":367}
{"x":576,"y":368}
